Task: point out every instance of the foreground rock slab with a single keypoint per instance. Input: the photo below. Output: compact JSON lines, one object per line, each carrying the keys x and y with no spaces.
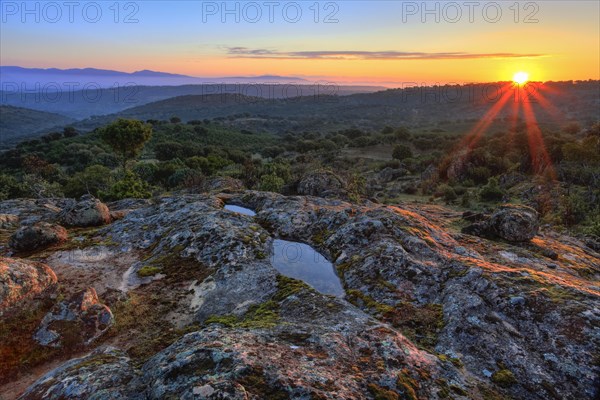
{"x":100,"y":375}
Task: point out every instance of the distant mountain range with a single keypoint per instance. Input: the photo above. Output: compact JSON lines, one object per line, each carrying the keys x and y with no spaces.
{"x":82,"y":93}
{"x":52,"y":79}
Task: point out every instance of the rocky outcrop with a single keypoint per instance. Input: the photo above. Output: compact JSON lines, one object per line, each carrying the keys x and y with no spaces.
{"x":514,"y":223}
{"x":20,"y":279}
{"x":82,"y":319}
{"x":321,"y":183}
{"x":225,"y":184}
{"x":103,"y":374}
{"x":38,"y":236}
{"x":391,"y":174}
{"x":88,"y":211}
{"x":428,"y":313}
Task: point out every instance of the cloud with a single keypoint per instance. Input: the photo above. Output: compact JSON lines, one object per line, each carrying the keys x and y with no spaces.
{"x":244,"y":52}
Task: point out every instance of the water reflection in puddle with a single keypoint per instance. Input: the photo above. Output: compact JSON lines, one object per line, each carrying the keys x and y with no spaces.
{"x":239,"y":210}
{"x":300,"y":261}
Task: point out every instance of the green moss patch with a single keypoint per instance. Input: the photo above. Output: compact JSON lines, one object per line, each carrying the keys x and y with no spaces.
{"x":504,"y":378}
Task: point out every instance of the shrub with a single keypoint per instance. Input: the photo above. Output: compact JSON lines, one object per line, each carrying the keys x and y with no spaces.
{"x":130,"y":186}
{"x":92,"y":180}
{"x":491,"y":191}
{"x":10,"y":188}
{"x":271,"y":183}
{"x":449,"y":194}
{"x":401,"y":152}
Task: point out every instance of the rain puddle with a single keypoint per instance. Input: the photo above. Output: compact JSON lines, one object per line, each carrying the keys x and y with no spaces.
{"x":300,"y":261}
{"x":240,"y":210}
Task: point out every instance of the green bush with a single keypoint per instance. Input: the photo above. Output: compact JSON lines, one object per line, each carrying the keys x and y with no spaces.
{"x":10,"y":188}
{"x":491,"y":191}
{"x":130,"y":186}
{"x":401,"y":152}
{"x":92,"y":180}
{"x":271,"y":183}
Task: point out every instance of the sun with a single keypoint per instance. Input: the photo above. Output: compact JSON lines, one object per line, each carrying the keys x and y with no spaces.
{"x":521,"y":77}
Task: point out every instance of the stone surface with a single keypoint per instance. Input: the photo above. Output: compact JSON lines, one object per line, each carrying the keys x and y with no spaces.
{"x":224,"y":184}
{"x":429,"y":312}
{"x":88,"y":211}
{"x":82,"y":319}
{"x":101,"y":375}
{"x":320,"y":183}
{"x":37,"y":236}
{"x":8,"y":221}
{"x":514,"y":223}
{"x":20,"y":279}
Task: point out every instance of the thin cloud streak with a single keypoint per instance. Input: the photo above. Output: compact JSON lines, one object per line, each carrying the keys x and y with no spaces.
{"x":244,"y":52}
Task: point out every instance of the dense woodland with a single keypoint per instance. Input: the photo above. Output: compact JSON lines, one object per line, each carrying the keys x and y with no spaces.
{"x":427,"y":165}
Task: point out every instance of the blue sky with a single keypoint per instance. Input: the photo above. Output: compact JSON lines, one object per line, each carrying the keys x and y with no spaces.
{"x":174,"y":37}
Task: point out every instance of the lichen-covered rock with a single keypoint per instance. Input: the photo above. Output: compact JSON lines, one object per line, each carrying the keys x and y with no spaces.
{"x":223,"y":184}
{"x":102,"y":375}
{"x":88,"y":211}
{"x":286,"y":363}
{"x":37,"y":237}
{"x":515,"y":223}
{"x":30,"y":211}
{"x":8,"y":221}
{"x":511,"y":222}
{"x":428,"y":312}
{"x":389,"y":174}
{"x":21,"y":279}
{"x":320,"y":183}
{"x":82,"y":319}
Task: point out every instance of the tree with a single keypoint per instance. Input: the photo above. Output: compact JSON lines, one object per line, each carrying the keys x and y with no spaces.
{"x":69,"y":132}
{"x":127,"y":138}
{"x":401,"y":152}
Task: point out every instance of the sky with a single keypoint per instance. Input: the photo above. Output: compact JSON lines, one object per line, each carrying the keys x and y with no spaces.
{"x":382,"y":42}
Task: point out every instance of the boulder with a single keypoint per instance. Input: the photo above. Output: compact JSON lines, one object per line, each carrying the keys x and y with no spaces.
{"x":320,"y":183}
{"x":391,"y":174}
{"x":20,"y":279}
{"x":511,"y":222}
{"x":100,"y":375}
{"x":222,"y":184}
{"x":37,"y":236}
{"x":88,"y":211}
{"x":514,"y":223}
{"x":82,"y":320}
{"x":8,"y":221}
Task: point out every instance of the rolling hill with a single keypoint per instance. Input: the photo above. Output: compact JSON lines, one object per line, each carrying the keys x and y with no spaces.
{"x":19,"y":123}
